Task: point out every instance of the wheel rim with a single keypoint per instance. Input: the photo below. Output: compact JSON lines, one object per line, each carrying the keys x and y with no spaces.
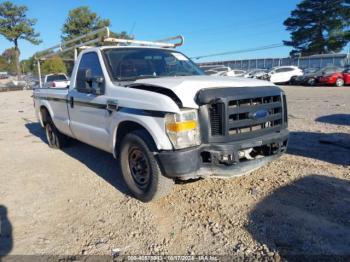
{"x":139,"y":167}
{"x":49,"y":134}
{"x":339,"y":82}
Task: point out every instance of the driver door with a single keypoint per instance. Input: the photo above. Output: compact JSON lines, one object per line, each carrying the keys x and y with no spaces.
{"x":87,"y":103}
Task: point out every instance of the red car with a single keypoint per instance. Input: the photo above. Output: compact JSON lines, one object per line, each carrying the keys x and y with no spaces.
{"x":335,"y":78}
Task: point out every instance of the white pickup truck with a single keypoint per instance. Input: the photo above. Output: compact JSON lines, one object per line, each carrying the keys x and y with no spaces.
{"x":156,"y":111}
{"x":56,"y":81}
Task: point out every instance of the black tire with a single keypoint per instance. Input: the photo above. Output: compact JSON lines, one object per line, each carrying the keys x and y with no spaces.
{"x":55,"y":138}
{"x":311,"y":82}
{"x":293,"y":80}
{"x":140,"y":168}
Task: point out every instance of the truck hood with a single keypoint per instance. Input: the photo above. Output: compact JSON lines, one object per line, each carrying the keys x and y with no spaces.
{"x":186,"y":87}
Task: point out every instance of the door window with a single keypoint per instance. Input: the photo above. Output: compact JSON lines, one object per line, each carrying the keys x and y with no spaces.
{"x":280,"y":70}
{"x":88,"y":72}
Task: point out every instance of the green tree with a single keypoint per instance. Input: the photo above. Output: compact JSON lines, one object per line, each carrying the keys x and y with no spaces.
{"x":319,"y":27}
{"x":9,"y":60}
{"x":53,"y":65}
{"x":3,"y":64}
{"x":82,"y":20}
{"x":14,"y":26}
{"x":26,"y":66}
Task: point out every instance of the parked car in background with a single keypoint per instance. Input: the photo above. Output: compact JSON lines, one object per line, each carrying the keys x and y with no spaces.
{"x":56,"y":81}
{"x":284,"y":74}
{"x":4,"y":75}
{"x":346,"y":75}
{"x":237,"y":73}
{"x":311,"y":75}
{"x":207,"y":69}
{"x":224,"y":71}
{"x":218,"y":71}
{"x":333,"y":76}
{"x":308,"y":78}
{"x":256,"y":73}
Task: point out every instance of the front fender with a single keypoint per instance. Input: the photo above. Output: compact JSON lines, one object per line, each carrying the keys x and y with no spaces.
{"x":154,"y":125}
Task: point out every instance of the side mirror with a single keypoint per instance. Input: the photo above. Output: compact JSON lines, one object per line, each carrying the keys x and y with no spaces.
{"x":96,"y":84}
{"x":87,"y":83}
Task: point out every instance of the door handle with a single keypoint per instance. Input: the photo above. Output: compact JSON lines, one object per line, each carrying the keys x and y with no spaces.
{"x":71,"y":101}
{"x":112,"y":105}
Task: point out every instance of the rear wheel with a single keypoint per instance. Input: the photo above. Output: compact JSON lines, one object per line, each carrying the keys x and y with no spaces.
{"x":339,"y":82}
{"x":55,"y":138}
{"x":140,"y":168}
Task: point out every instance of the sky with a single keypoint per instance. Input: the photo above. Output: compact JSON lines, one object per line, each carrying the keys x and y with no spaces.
{"x":209,"y":27}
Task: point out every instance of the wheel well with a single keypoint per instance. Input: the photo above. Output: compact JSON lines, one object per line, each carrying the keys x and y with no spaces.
{"x":127,"y":127}
{"x":45,"y":115}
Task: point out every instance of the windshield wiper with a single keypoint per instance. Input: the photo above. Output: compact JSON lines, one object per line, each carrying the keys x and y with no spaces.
{"x":132,"y":78}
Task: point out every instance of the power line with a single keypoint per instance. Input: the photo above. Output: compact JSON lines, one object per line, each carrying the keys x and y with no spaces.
{"x":277,"y":45}
{"x":271,"y":46}
{"x":237,"y":24}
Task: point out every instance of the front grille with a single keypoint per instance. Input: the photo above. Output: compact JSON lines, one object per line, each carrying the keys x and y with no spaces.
{"x":243,"y":114}
{"x":246,"y":117}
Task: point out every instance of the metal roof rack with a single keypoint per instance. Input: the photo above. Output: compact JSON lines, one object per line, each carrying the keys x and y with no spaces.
{"x":101,"y":37}
{"x":159,"y":43}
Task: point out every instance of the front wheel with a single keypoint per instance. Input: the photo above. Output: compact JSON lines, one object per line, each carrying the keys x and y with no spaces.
{"x":311,"y":82}
{"x":339,"y":82}
{"x":140,"y":168}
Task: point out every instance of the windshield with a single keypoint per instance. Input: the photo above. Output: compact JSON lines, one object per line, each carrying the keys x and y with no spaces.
{"x":128,"y":64}
{"x":330,"y":70}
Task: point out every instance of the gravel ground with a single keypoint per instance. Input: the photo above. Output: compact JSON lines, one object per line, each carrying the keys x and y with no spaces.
{"x":74,"y":201}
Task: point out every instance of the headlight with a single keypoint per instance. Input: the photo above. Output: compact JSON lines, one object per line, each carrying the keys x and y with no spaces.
{"x":183,"y":129}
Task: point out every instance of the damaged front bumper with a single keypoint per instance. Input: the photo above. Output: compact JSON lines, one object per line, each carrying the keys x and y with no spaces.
{"x":223,"y":159}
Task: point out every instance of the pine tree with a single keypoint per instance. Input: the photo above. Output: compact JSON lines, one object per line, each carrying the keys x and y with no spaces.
{"x":82,"y":20}
{"x":319,"y":27}
{"x":14,"y":25}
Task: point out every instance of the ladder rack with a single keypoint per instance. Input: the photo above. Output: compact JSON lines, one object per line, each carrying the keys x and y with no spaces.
{"x":101,"y":37}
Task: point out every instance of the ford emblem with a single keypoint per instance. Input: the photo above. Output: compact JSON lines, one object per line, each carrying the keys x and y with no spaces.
{"x":259,"y":114}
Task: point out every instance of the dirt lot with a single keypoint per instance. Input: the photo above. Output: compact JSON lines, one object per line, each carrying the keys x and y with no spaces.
{"x":74,"y":202}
